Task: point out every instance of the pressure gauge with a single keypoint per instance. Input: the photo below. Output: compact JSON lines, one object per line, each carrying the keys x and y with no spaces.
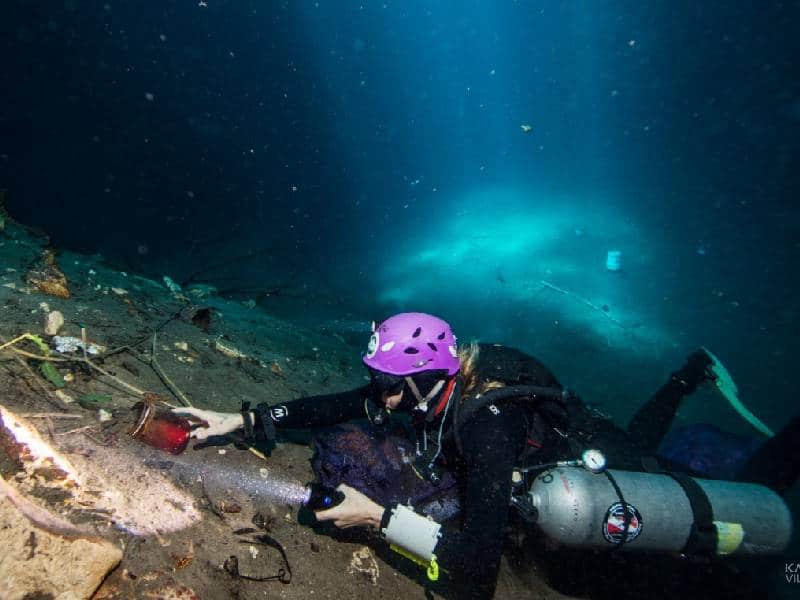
{"x":594,"y":460}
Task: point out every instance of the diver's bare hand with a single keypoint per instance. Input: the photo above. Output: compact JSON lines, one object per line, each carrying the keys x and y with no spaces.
{"x":355,"y":510}
{"x":211,"y":423}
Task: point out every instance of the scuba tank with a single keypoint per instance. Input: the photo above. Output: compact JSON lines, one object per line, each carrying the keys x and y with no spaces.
{"x":658,"y":512}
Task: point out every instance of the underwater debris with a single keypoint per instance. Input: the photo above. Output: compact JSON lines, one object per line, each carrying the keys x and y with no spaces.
{"x":161,"y":429}
{"x":65,"y":344}
{"x":47,"y":277}
{"x":52,"y":375}
{"x":181,"y":562}
{"x":526,"y":128}
{"x":284,"y":575}
{"x":209,"y":503}
{"x":94,"y":401}
{"x":64,"y":396}
{"x":265,"y":522}
{"x":228,"y":350}
{"x":53,"y":322}
{"x":231,"y":567}
{"x":228,"y":506}
{"x":363,"y":563}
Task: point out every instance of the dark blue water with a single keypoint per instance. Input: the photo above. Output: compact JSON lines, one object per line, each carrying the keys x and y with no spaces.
{"x":477,"y":159}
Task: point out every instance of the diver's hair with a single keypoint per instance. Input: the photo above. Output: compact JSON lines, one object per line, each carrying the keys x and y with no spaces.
{"x":468,"y":355}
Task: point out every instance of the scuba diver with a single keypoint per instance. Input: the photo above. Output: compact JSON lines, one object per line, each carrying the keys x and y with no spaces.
{"x":482,"y":418}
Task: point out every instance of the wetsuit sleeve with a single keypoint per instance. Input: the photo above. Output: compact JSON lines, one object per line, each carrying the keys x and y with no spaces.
{"x":491,"y":445}
{"x":650,"y":424}
{"x":313,"y":411}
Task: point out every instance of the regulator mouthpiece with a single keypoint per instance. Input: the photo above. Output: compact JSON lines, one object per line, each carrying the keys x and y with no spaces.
{"x":322,"y":497}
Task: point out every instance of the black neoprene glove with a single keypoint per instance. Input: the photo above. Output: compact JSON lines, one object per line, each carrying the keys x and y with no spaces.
{"x":264,"y":426}
{"x":695,"y":371}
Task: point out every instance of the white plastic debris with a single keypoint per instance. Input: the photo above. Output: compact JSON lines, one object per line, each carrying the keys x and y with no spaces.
{"x":103,"y":415}
{"x":66,"y":344}
{"x":614,"y":260}
{"x":64,"y":397}
{"x":53,"y":322}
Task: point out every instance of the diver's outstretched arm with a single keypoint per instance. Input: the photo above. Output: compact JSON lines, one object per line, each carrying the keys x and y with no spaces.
{"x":652,"y":421}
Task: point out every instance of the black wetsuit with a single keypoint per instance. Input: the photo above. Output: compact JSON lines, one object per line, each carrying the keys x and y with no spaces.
{"x":492,"y":441}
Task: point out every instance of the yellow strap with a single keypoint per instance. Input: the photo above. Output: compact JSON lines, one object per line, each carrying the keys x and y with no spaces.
{"x":431,"y":568}
{"x":729,"y":537}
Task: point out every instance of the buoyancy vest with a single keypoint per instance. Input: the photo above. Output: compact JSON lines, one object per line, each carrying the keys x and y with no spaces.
{"x":549,"y":407}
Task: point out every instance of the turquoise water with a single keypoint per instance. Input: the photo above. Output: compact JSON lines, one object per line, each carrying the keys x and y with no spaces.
{"x":335,"y":162}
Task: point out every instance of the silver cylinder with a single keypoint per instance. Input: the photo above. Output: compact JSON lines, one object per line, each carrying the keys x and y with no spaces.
{"x":582,"y":509}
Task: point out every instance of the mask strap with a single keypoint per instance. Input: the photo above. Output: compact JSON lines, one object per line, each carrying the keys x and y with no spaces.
{"x":422,"y":403}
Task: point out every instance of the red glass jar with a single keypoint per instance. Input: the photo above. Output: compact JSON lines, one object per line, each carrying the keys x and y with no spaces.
{"x":161,"y":429}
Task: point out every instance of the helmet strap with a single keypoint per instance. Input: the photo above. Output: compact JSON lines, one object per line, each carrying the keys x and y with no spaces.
{"x":422,"y":402}
{"x":448,"y":393}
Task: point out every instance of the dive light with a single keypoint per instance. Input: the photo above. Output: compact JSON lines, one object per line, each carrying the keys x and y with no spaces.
{"x":322,"y":497}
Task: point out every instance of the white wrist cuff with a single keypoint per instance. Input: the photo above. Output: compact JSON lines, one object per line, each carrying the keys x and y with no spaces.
{"x":413,"y":532}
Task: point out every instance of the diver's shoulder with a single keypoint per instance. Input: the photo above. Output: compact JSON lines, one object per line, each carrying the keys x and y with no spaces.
{"x":513,"y":366}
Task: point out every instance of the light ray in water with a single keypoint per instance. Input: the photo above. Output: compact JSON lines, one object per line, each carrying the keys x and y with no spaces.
{"x":253,"y":483}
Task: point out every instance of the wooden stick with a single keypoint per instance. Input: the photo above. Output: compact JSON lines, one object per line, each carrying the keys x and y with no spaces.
{"x":163,"y":376}
{"x":77,"y":429}
{"x":51,"y":397}
{"x":19,"y":338}
{"x":43,"y":358}
{"x":85,"y":361}
{"x":95,"y":440}
{"x":153,"y":363}
{"x":127,"y":386}
{"x":51,"y":415}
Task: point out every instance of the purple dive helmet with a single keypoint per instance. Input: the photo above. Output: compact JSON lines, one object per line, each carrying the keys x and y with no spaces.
{"x":410,"y":343}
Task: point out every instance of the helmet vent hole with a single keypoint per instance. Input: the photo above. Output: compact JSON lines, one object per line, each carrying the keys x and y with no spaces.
{"x":432,"y":346}
{"x":440,"y":336}
{"x":411,"y":350}
{"x":417,"y":331}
